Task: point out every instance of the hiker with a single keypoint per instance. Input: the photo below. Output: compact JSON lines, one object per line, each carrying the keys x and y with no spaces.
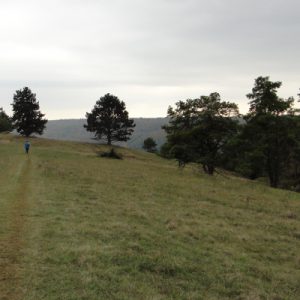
{"x":27,"y":146}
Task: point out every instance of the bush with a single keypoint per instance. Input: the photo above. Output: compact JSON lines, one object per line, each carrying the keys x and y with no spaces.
{"x":149,"y":145}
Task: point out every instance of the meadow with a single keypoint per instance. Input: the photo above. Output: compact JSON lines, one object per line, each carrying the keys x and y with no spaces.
{"x":74,"y":225}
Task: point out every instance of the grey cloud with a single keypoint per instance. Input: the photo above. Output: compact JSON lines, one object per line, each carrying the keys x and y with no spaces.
{"x":160,"y":45}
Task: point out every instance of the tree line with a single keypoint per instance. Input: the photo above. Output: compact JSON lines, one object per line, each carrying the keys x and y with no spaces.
{"x":109,"y":120}
{"x":206,"y":131}
{"x":264,"y":142}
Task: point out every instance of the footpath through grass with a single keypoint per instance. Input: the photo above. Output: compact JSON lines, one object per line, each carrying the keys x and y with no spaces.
{"x":77,"y":226}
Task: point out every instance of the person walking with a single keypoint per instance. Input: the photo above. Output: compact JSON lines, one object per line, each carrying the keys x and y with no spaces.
{"x":27,"y":147}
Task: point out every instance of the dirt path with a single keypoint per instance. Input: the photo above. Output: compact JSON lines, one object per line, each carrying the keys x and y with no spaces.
{"x":13,"y":242}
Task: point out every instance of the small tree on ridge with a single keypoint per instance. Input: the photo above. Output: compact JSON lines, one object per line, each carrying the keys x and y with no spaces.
{"x":149,"y":144}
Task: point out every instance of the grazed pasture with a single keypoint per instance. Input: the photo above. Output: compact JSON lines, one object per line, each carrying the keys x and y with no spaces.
{"x":77,"y":226}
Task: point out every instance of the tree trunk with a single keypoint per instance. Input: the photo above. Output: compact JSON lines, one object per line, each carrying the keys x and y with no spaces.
{"x":273,"y":172}
{"x":211,"y":169}
{"x":109,"y":140}
{"x":208,"y":169}
{"x":273,"y":182}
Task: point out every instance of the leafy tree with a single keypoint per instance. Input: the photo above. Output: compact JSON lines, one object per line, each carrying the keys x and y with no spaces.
{"x":274,"y":138}
{"x":5,"y":121}
{"x":241,"y":156}
{"x":270,"y":133}
{"x":149,"y":144}
{"x":297,"y":110}
{"x":109,"y":120}
{"x":27,"y":118}
{"x":264,"y":99}
{"x":165,"y":150}
{"x":199,"y":130}
{"x":290,"y":169}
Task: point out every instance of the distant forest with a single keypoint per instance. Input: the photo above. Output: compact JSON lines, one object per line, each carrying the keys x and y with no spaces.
{"x":72,"y":130}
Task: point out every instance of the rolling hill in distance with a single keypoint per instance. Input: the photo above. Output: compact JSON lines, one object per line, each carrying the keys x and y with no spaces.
{"x":72,"y":130}
{"x":75,"y":225}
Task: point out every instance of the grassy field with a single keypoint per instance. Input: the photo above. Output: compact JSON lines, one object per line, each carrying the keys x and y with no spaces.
{"x":77,"y":226}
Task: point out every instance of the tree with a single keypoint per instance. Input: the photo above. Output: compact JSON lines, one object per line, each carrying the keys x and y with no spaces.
{"x":5,"y":121}
{"x":199,"y":129}
{"x":297,"y":110}
{"x":241,"y":156}
{"x":27,"y":119}
{"x":109,"y":120}
{"x":273,"y":137}
{"x":149,"y":144}
{"x":270,"y":132}
{"x":265,"y":100}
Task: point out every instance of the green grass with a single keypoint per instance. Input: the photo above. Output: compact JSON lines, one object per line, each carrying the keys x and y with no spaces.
{"x":139,"y":228}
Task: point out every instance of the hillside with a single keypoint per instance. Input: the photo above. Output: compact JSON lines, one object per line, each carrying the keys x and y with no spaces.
{"x":74,"y":225}
{"x":72,"y":130}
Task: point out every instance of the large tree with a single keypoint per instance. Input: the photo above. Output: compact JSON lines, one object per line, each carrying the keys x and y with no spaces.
{"x":109,"y":120}
{"x":27,"y":118}
{"x":199,"y":129}
{"x":5,"y":121}
{"x":270,"y":131}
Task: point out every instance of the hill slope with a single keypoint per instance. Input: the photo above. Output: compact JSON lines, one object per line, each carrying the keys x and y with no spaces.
{"x":77,"y":226}
{"x":72,"y":130}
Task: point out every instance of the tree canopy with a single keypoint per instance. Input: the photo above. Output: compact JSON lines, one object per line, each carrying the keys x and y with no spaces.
{"x":109,"y":120}
{"x":27,"y":118}
{"x":264,"y":98}
{"x":199,"y":129}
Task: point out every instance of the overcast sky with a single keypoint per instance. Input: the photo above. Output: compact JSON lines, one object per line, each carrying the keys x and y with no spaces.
{"x":149,"y":53}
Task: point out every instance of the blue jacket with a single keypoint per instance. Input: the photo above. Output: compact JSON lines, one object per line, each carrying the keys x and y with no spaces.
{"x":27,"y":145}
